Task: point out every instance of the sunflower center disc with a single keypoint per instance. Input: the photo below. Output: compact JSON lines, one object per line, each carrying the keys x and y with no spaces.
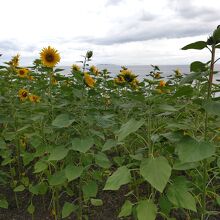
{"x":49,"y":57}
{"x":24,"y":94}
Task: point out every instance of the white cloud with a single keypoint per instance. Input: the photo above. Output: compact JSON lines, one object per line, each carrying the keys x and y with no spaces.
{"x":119,"y":31}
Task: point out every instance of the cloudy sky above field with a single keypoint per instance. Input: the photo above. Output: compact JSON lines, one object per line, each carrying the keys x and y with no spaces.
{"x":118,"y":31}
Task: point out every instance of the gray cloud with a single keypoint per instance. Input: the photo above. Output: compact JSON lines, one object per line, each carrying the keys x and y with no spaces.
{"x":187,"y":10}
{"x":8,"y":45}
{"x":142,"y":32}
{"x":147,"y":16}
{"x":184,"y":20}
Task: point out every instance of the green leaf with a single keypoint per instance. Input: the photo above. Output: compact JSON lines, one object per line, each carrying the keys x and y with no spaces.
{"x":189,"y":78}
{"x":96,"y":202}
{"x":185,"y":166}
{"x":175,"y":136}
{"x":27,"y":158}
{"x":184,"y":91}
{"x":198,"y":45}
{"x":31,"y":209}
{"x":109,"y":144}
{"x":165,"y":205}
{"x":68,"y":208}
{"x":198,"y":66}
{"x":40,"y":166}
{"x":216,"y":35}
{"x":190,"y":150}
{"x":167,"y":108}
{"x":90,"y":189}
{"x":126,"y":209}
{"x":62,"y":121}
{"x":120,"y":177}
{"x":218,"y":162}
{"x":138,"y":156}
{"x":3,"y":203}
{"x":82,"y":145}
{"x":102,"y":160}
{"x":58,"y":153}
{"x":146,"y":210}
{"x":156,"y":171}
{"x":19,"y":188}
{"x":58,"y":70}
{"x":178,"y":195}
{"x":58,"y":178}
{"x":2,"y":144}
{"x":212,"y":107}
{"x":129,"y":127}
{"x":218,"y":200}
{"x":39,"y":189}
{"x":73,"y":172}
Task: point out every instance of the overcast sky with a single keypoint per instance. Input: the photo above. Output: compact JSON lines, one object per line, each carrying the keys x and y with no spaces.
{"x":118,"y":31}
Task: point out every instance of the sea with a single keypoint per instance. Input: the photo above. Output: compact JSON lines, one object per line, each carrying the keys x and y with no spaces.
{"x":142,"y":71}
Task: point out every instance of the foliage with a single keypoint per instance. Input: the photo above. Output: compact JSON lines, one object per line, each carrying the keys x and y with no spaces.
{"x":86,"y":135}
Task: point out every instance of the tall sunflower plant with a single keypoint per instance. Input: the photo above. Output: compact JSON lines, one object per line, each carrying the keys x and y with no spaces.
{"x":75,"y":138}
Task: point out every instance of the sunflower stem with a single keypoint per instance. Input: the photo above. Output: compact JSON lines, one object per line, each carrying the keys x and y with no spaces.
{"x":205,"y":164}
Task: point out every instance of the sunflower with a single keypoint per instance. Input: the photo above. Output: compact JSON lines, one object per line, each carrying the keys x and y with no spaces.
{"x":23,"y":73}
{"x":162,"y":83}
{"x":30,"y":78}
{"x":23,"y":94}
{"x":119,"y":80}
{"x":23,"y":142}
{"x":75,"y":68}
{"x":89,"y":81}
{"x":94,"y":70}
{"x":177,"y":73}
{"x":159,"y":91}
{"x":134,"y":83}
{"x":53,"y":81}
{"x":127,"y":75}
{"x":15,"y":60}
{"x":34,"y":98}
{"x":156,"y":75}
{"x":49,"y":56}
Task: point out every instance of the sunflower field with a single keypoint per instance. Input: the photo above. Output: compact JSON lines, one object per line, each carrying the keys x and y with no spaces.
{"x":86,"y":145}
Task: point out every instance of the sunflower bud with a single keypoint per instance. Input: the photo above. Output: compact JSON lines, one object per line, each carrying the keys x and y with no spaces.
{"x":89,"y":54}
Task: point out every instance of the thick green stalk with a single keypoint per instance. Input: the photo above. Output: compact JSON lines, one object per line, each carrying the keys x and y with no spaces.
{"x":57,"y":203}
{"x":211,"y":72}
{"x":205,"y":164}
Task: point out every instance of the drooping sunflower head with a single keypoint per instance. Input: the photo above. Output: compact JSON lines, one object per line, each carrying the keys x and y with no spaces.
{"x":94,"y":70}
{"x":15,"y":60}
{"x":177,"y":73}
{"x":23,"y":73}
{"x":34,"y":98}
{"x":49,"y":56}
{"x":75,"y":68}
{"x":89,"y":81}
{"x":157,"y":75}
{"x":127,"y":75}
{"x":119,"y":80}
{"x":23,"y":94}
